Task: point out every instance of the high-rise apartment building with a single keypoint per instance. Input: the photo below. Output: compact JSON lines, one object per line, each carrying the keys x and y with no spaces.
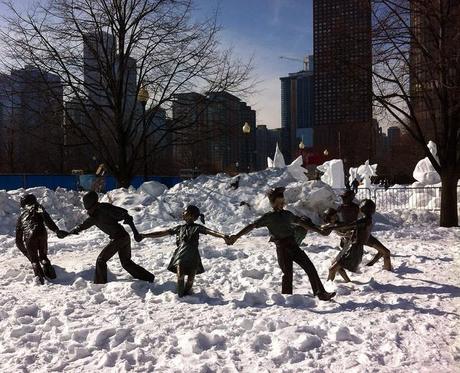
{"x":343,"y":78}
{"x":297,"y":109}
{"x":31,"y":130}
{"x":99,"y":57}
{"x":208,"y":134}
{"x":433,"y":60}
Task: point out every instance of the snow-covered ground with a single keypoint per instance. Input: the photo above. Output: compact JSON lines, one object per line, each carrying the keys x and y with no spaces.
{"x":237,"y":320}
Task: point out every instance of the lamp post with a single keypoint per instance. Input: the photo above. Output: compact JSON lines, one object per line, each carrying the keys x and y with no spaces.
{"x":143,"y":97}
{"x":301,"y":150}
{"x":246,"y":134}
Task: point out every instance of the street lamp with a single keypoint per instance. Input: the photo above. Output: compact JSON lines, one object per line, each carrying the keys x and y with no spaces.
{"x":301,"y":145}
{"x":301,"y":150}
{"x":143,"y":97}
{"x":247,"y":132}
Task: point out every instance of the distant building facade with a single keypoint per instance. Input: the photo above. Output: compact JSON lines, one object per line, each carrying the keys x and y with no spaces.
{"x":297,"y":109}
{"x":31,"y":121}
{"x":208,"y":133}
{"x":343,"y":79}
{"x":266,"y":140}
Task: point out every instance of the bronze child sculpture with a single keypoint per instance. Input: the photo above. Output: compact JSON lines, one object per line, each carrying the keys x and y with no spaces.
{"x":348,"y":212}
{"x":106,"y":217}
{"x":186,"y":260}
{"x":32,"y":237}
{"x":282,"y":227}
{"x":351,"y":255}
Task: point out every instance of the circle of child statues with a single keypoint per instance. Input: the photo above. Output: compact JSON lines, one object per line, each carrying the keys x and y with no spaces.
{"x":352,"y":222}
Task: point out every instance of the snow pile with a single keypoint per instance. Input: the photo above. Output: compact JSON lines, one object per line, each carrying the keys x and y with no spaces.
{"x":62,"y":204}
{"x":153,"y":204}
{"x":152,"y":188}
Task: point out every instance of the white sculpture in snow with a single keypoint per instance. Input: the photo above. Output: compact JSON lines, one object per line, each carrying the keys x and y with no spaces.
{"x":269,"y":162}
{"x":365,"y":172}
{"x":424,"y":171}
{"x":333,"y":173}
{"x":278,"y":159}
{"x":353,"y":175}
{"x":296,"y":170}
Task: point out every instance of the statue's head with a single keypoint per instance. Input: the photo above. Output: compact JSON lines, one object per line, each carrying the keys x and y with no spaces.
{"x":90,"y":200}
{"x":348,"y":196}
{"x":276,"y":198}
{"x":28,"y":200}
{"x":367,"y":207}
{"x":330,"y":216}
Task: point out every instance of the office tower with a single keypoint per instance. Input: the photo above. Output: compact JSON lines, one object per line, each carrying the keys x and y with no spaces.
{"x":99,"y":57}
{"x":210,"y":137}
{"x":343,"y":78}
{"x":31,"y":121}
{"x":433,"y":59}
{"x":266,"y":140}
{"x":297,"y":110}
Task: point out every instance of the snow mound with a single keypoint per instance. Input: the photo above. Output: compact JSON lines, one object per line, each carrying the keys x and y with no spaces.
{"x":152,"y":188}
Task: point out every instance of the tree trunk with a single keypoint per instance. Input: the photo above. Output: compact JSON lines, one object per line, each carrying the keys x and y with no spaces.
{"x":449,"y":209}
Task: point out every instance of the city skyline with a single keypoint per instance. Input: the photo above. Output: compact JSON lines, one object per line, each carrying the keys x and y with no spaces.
{"x":264,"y":30}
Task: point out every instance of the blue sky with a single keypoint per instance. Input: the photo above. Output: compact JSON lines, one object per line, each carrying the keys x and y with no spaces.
{"x":264,"y":30}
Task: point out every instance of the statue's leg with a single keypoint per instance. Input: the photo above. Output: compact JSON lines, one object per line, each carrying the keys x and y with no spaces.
{"x":344,"y":275}
{"x":332,"y":271}
{"x":180,"y":282}
{"x":382,"y":251}
{"x":189,"y":284}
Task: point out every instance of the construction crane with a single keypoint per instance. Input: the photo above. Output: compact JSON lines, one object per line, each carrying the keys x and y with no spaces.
{"x":306,"y":61}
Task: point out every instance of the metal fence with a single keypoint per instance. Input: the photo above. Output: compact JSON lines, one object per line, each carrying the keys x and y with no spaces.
{"x":421,"y":198}
{"x":361,"y":193}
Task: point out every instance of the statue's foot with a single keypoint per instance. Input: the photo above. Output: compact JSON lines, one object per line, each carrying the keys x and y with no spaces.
{"x":325,"y":295}
{"x":344,"y":275}
{"x":374,"y":260}
{"x":387,"y":264}
{"x":48,"y":270}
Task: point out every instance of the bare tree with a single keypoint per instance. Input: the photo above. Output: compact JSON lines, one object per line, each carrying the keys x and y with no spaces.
{"x":127,"y":45}
{"x":416,"y":81}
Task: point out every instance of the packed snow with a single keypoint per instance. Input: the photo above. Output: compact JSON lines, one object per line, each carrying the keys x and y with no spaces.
{"x":236,"y":320}
{"x":333,"y":173}
{"x":424,"y":172}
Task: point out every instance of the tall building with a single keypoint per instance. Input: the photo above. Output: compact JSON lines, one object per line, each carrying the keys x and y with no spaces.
{"x":190,"y":130}
{"x":99,"y":56}
{"x":433,"y":60}
{"x":31,"y":121}
{"x":266,"y":140}
{"x":208,"y":133}
{"x":297,"y":109}
{"x":343,"y":78}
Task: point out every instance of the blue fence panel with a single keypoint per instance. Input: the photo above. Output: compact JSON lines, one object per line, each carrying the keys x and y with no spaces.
{"x":10,"y":182}
{"x":75,"y":182}
{"x":110,"y":183}
{"x":51,"y":181}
